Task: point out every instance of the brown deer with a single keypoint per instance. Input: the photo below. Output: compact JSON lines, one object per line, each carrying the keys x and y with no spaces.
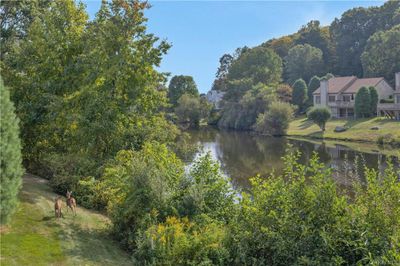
{"x":71,"y":202}
{"x":57,"y":207}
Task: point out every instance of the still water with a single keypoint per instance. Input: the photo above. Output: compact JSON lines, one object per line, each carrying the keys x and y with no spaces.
{"x":243,"y":154}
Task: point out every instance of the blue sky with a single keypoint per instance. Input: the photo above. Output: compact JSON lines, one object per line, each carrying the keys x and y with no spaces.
{"x":201,"y":31}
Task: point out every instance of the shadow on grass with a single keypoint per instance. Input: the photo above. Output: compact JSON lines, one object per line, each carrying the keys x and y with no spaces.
{"x":95,"y":246}
{"x":306,"y":124}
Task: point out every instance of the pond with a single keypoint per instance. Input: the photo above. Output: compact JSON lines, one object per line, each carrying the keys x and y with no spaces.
{"x":244,"y":154}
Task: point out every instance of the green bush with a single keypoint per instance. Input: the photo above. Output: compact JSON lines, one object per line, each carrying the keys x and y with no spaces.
{"x":319,"y":115}
{"x":137,"y":184}
{"x":300,"y":218}
{"x":181,"y":242}
{"x":386,"y":101}
{"x":11,"y":170}
{"x":276,"y":120}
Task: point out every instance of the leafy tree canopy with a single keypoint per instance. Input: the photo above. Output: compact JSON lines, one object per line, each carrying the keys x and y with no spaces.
{"x":381,"y":57}
{"x":259,"y":64}
{"x":180,"y":85}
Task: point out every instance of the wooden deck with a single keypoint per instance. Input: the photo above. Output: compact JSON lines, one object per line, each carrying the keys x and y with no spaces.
{"x":390,"y":110}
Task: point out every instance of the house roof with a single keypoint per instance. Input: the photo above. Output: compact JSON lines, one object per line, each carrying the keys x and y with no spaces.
{"x":349,"y":84}
{"x":357,"y":84}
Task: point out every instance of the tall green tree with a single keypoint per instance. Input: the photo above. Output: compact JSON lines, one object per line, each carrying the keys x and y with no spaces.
{"x":362,"y":104}
{"x":303,"y":61}
{"x":119,"y":94}
{"x":351,"y":32}
{"x":10,"y":160}
{"x":319,"y":37}
{"x":374,"y":100}
{"x":42,"y":69}
{"x":312,"y":86}
{"x":381,"y":56}
{"x":299,"y":97}
{"x":15,"y":19}
{"x":180,"y":85}
{"x":259,"y":64}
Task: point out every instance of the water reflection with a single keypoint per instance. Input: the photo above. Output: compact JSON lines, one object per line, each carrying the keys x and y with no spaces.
{"x":243,"y":155}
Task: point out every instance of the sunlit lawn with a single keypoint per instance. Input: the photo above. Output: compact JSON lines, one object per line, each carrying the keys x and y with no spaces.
{"x":358,"y":130}
{"x":35,"y":237}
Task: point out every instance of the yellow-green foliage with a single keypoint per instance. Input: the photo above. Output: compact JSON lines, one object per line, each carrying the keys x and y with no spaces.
{"x":182,"y":242}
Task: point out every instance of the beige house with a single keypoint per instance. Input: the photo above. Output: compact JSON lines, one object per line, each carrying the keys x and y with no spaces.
{"x":338,"y":93}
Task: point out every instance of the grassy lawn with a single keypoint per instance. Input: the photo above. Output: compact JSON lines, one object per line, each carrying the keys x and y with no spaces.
{"x":358,"y":130}
{"x":35,"y":237}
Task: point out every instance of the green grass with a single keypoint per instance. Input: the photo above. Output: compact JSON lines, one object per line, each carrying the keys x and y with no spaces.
{"x":35,"y":237}
{"x":358,"y":130}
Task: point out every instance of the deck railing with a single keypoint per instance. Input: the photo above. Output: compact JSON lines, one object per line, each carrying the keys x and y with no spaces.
{"x":388,"y":106}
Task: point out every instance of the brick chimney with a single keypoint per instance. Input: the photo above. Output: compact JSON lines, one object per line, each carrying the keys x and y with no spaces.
{"x":397,"y":81}
{"x":324,"y":91}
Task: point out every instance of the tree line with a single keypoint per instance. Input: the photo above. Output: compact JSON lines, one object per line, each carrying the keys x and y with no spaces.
{"x":362,"y":42}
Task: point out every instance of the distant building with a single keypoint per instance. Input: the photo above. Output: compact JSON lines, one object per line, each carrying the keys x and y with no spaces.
{"x":215,"y":98}
{"x":338,"y":93}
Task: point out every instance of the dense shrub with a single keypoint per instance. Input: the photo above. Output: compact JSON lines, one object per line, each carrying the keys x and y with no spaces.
{"x":276,"y":120}
{"x":242,"y":115}
{"x":11,"y":159}
{"x":319,"y":115}
{"x":148,"y":182}
{"x":192,"y":109}
{"x":301,"y":218}
{"x":181,"y":242}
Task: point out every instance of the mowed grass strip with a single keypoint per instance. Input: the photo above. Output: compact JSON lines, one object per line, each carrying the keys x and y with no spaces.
{"x":357,"y":129}
{"x":35,"y":237}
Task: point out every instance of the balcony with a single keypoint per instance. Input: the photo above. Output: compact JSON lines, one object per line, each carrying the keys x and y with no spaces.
{"x":341,"y":104}
{"x":389,"y":106}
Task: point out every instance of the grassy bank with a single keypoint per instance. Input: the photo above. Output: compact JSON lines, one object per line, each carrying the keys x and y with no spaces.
{"x":35,"y":237}
{"x":357,"y":130}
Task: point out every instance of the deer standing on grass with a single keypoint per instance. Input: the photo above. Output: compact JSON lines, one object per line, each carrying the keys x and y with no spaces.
{"x":71,"y":202}
{"x":57,"y":207}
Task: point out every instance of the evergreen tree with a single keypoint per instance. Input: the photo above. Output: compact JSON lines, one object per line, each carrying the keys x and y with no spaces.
{"x":363,"y":103}
{"x":312,"y":86}
{"x":374,"y":100}
{"x":299,"y":97}
{"x":10,"y":159}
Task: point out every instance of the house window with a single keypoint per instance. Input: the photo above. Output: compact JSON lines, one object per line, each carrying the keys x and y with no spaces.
{"x":346,"y":98}
{"x":332,"y":99}
{"x":317,"y":99}
{"x":397,"y":98}
{"x":352,"y":97}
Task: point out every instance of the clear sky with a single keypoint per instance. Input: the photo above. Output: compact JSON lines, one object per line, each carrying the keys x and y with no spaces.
{"x":202,"y":31}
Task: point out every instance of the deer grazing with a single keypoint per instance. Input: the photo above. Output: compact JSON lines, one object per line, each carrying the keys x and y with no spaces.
{"x":57,"y":207}
{"x":71,"y":202}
